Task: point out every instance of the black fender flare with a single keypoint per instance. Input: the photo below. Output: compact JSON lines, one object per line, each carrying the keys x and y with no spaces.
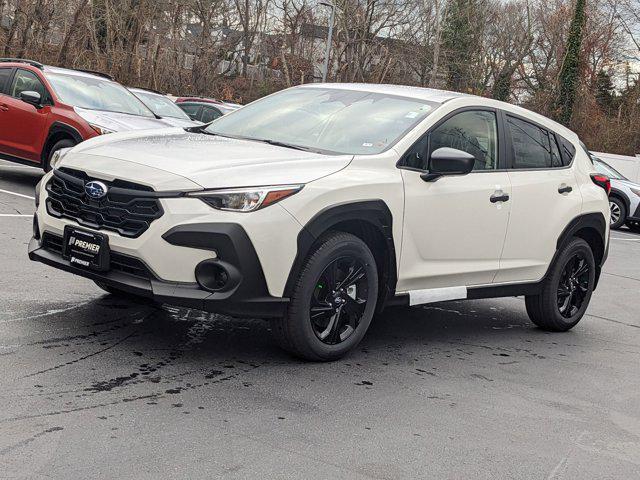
{"x":619,"y":193}
{"x":373,"y":212}
{"x":595,"y":221}
{"x":57,"y":128}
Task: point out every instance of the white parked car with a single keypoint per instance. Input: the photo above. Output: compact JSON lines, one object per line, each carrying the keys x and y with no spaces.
{"x":164,"y":108}
{"x":319,"y":205}
{"x":624,"y":198}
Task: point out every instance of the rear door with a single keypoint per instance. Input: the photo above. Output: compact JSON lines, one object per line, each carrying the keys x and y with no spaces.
{"x":24,"y":126}
{"x":544,"y":201}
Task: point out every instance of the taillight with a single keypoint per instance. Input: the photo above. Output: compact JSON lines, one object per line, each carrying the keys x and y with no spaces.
{"x":602,"y":181}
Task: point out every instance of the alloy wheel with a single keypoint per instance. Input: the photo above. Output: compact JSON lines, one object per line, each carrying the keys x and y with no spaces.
{"x":615,"y":212}
{"x":573,"y":285}
{"x":339,"y":299}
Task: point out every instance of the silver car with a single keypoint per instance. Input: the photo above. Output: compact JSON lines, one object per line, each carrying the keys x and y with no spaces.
{"x":624,"y":198}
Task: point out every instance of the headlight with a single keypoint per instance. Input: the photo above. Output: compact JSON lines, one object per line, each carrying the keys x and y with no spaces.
{"x":636,"y":191}
{"x":100,"y":130}
{"x":246,"y":199}
{"x":57,"y":156}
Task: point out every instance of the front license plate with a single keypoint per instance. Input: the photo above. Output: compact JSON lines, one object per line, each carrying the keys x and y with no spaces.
{"x":86,"y":249}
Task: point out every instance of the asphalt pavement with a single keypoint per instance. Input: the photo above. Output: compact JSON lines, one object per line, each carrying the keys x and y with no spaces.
{"x":92,"y":386}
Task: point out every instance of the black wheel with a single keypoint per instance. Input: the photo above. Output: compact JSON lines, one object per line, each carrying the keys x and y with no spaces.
{"x":618,"y":212}
{"x":66,"y":143}
{"x":567,"y":289}
{"x":333,"y":300}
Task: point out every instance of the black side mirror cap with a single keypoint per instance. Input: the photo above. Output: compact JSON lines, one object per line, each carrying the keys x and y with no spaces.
{"x":32,"y":98}
{"x":448,"y":161}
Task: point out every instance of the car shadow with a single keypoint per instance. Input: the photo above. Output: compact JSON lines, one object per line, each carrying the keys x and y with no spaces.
{"x":21,"y":177}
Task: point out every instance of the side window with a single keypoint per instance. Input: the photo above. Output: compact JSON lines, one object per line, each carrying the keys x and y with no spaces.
{"x":191,"y":110}
{"x":533,"y":146}
{"x":5,"y":75}
{"x":474,"y":132}
{"x":210,"y":114}
{"x":25,"y":81}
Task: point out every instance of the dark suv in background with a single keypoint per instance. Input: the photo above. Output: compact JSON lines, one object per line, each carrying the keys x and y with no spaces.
{"x":44,"y":109}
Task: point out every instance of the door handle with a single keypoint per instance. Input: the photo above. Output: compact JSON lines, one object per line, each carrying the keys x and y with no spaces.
{"x":499,"y":197}
{"x":564,"y":189}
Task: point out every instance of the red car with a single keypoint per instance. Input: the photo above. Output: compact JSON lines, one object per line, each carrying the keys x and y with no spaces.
{"x":44,"y":109}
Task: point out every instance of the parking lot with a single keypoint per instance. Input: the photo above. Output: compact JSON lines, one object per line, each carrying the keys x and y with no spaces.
{"x":96,"y":387}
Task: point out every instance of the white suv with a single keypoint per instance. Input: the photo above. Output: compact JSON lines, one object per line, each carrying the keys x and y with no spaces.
{"x":319,"y":205}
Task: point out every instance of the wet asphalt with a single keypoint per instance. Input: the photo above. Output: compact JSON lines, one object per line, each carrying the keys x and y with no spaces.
{"x":92,"y":386}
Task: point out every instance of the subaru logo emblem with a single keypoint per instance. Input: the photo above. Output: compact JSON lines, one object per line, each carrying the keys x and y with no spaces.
{"x":95,"y":190}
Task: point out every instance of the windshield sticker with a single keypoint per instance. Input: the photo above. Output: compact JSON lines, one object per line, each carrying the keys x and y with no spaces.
{"x":367,"y":144}
{"x":412,"y":115}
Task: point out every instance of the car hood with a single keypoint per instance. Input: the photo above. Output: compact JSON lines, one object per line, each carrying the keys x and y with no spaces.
{"x":180,"y":122}
{"x":206,"y":160}
{"x":120,"y":122}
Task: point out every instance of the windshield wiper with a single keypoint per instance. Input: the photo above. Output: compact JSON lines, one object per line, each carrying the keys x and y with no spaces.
{"x":283,"y":144}
{"x":202,"y":129}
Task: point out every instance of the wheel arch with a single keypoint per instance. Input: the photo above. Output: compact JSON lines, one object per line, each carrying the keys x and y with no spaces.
{"x":592,"y":228}
{"x":616,"y":193}
{"x":58,"y":131}
{"x":372,"y":222}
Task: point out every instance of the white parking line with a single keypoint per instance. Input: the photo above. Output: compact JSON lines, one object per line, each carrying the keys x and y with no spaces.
{"x":14,"y":215}
{"x":17,"y":194}
{"x":17,"y":166}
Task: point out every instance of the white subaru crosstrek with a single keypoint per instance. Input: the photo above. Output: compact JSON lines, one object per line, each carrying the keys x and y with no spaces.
{"x":319,"y":205}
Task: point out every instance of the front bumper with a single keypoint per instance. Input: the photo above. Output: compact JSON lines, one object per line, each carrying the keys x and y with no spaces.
{"x":247,"y":296}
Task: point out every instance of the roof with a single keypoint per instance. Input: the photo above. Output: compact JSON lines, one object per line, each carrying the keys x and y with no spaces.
{"x":421,"y":93}
{"x":69,"y":71}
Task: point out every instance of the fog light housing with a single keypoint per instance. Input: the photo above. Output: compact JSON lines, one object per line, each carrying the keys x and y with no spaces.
{"x":216,"y":275}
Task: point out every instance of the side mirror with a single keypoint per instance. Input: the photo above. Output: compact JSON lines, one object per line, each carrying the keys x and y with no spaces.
{"x":32,"y":98}
{"x":448,"y":161}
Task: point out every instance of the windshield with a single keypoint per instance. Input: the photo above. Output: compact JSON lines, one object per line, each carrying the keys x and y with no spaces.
{"x":96,"y":94}
{"x":607,"y":170}
{"x":161,"y":105}
{"x":326,"y":119}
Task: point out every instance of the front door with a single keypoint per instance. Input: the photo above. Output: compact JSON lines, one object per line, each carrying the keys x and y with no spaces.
{"x":454,"y":227}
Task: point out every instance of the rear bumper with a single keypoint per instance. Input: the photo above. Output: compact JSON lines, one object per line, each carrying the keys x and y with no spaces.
{"x":241,"y":302}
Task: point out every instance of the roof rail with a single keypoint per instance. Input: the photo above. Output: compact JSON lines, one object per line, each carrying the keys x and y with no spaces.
{"x":33,"y":63}
{"x":94,"y":72}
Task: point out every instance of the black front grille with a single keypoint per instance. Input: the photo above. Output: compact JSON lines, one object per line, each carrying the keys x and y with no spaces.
{"x":117,"y":261}
{"x":128,"y":208}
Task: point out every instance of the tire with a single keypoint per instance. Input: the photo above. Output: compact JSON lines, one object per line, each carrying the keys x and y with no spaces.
{"x":618,"y":212}
{"x":342,"y":316}
{"x":546,"y":308}
{"x":66,"y":143}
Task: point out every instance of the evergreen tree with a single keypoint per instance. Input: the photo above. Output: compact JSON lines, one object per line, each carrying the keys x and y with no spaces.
{"x":457,"y":42}
{"x":605,"y":92}
{"x":570,"y":72}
